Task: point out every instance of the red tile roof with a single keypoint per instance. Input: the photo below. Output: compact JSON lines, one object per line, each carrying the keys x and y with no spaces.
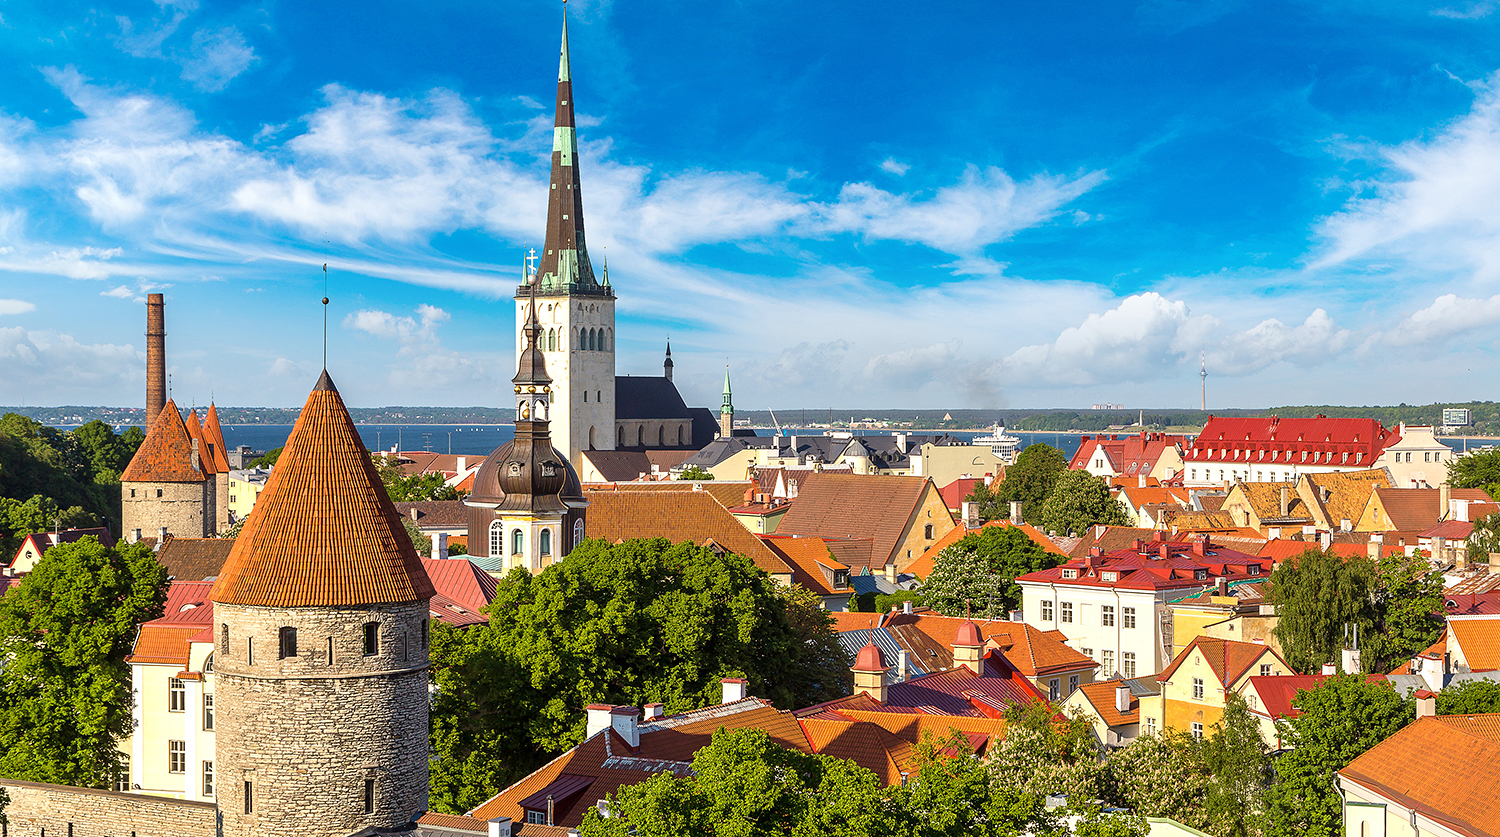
{"x":1129,"y":456}
{"x":324,"y":532}
{"x":1277,"y":692}
{"x":857,"y":505}
{"x":214,"y":434}
{"x":1156,"y":564}
{"x":692,"y":516}
{"x":1479,"y":642}
{"x":167,"y":453}
{"x":1416,"y":509}
{"x":808,"y":556}
{"x":1471,"y":604}
{"x":1301,"y":441}
{"x":1229,"y":659}
{"x":186,"y":614}
{"x":1101,"y":695}
{"x":1419,"y":768}
{"x":955,"y":492}
{"x":462,"y":581}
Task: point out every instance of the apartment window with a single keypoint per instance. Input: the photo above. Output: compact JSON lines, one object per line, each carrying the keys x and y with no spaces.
{"x":1128,"y":664}
{"x":1111,"y":576}
{"x":544,"y":542}
{"x":208,"y":778}
{"x":927,"y":531}
{"x":369,"y":796}
{"x":1067,"y":612}
{"x":1150,"y":726}
{"x":1046,"y":611}
{"x":1088,"y":652}
{"x":1072,"y":683}
{"x":208,"y":711}
{"x":1107,"y":662}
{"x":122,"y":778}
{"x":1197,"y":688}
{"x":372,"y":638}
{"x":1200,"y":575}
{"x":176,"y":756}
{"x":288,"y":643}
{"x":1197,"y":731}
{"x":536,"y":818}
{"x":208,"y":664}
{"x":1069,"y":573}
{"x":1054,"y":691}
{"x":1128,"y":614}
{"x":1107,"y":616}
{"x":176,"y":695}
{"x":1265,"y":669}
{"x":231,"y":498}
{"x":497,"y":538}
{"x":249,"y":797}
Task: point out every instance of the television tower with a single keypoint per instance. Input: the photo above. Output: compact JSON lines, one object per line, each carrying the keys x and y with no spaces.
{"x":1203,"y":379}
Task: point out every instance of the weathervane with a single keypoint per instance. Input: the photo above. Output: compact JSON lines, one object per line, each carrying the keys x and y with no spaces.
{"x":325,"y":316}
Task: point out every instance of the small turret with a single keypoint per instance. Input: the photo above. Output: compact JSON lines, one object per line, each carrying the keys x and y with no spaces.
{"x":667,"y":364}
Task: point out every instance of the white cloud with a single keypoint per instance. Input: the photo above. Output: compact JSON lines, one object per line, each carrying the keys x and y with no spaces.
{"x":422,"y":364}
{"x":15,"y":306}
{"x":1473,"y":11}
{"x":284,"y":368}
{"x":1438,"y":206}
{"x":61,"y":366}
{"x":894,"y":166}
{"x":1447,"y":317}
{"x":216,"y":57}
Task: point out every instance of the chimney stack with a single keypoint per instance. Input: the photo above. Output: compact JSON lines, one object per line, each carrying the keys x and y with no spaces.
{"x":1445,"y":500}
{"x":1122,"y":697}
{"x":499,"y":827}
{"x":440,"y":546}
{"x":890,"y":573}
{"x":1286,"y":501}
{"x":162,"y":538}
{"x":156,"y":357}
{"x":733,"y":689}
{"x":1426,"y":704}
{"x":651,"y":712}
{"x":598,"y":715}
{"x":626,"y":723}
{"x":906,"y":607}
{"x":1015,"y":512}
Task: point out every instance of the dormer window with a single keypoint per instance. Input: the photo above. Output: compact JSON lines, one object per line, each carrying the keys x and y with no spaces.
{"x":1069,"y":572}
{"x":1200,"y":575}
{"x":1253,"y":569}
{"x":1111,"y":575}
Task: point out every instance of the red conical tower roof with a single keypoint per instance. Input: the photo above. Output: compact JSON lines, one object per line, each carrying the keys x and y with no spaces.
{"x":214,"y":434}
{"x":324,"y":532}
{"x":195,"y":432}
{"x":167,"y":453}
{"x":967,"y":635}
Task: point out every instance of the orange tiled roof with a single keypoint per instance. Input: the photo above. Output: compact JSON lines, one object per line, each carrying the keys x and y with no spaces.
{"x":214,"y":434}
{"x":1101,"y":694}
{"x":693,"y":516}
{"x":324,"y":532}
{"x":1416,"y":509}
{"x":846,"y":621}
{"x":922,"y":566}
{"x":1479,"y":640}
{"x":857,"y":505}
{"x":807,"y":557}
{"x":167,"y":453}
{"x":1036,"y":653}
{"x":1417,"y":767}
{"x":450,"y":821}
{"x":728,"y":493}
{"x":163,"y":643}
{"x":1228,"y":658}
{"x":195,"y":432}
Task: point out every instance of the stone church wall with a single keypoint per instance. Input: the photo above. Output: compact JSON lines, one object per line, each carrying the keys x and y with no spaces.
{"x":85,"y":812}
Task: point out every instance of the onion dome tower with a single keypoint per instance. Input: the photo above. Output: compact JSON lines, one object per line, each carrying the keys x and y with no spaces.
{"x":321,"y":658}
{"x":527,"y":507}
{"x":169,"y":483}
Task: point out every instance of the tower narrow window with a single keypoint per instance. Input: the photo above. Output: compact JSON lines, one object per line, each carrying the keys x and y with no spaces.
{"x":330,"y":650}
{"x":372,"y":638}
{"x":249,"y":650}
{"x":544,"y":542}
{"x":551,"y":340}
{"x":927,"y":532}
{"x":497,"y":538}
{"x":577,"y":533}
{"x":424,"y":634}
{"x":249,"y":797}
{"x":661,"y":436}
{"x":517,"y":541}
{"x":288,"y":642}
{"x":369,"y":796}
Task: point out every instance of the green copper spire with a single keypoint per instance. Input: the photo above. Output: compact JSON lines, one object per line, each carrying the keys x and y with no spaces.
{"x":728,"y":401}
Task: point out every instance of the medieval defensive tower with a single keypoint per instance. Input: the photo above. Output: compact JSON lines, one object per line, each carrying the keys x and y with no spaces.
{"x":156,"y":357}
{"x":321,"y":616}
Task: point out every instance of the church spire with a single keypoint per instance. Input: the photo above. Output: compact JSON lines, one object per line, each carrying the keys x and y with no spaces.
{"x":726,"y":411}
{"x":667,"y":365}
{"x":565,"y":258}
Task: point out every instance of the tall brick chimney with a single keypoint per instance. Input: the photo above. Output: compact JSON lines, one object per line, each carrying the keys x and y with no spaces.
{"x":156,"y":357}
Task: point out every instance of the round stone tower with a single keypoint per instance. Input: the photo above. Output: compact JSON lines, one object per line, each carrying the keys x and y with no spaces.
{"x":321,"y":621}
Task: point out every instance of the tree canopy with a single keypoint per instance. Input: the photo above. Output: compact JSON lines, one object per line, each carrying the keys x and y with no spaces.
{"x":980,"y":569}
{"x":1480,"y":469}
{"x":1471,"y":697}
{"x":1029,"y":480}
{"x":66,"y":631}
{"x":1318,"y":596}
{"x":1079,"y":500}
{"x":1337,"y":722}
{"x":695,"y":473}
{"x":1408,"y":604}
{"x":643,"y":621}
{"x":268,"y":459}
{"x":52,"y":476}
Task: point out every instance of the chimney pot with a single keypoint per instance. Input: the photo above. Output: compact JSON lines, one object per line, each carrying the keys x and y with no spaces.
{"x":890,"y":573}
{"x":733,"y":689}
{"x":1330,"y":669}
{"x":906,"y":607}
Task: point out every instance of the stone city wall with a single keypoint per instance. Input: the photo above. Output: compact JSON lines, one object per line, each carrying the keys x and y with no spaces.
{"x":59,"y":810}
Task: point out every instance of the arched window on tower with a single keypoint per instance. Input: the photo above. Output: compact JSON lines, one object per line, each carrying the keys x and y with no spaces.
{"x":620,"y":436}
{"x":577,"y":532}
{"x":497,"y":539}
{"x":574,"y":342}
{"x":591,"y":438}
{"x":544,"y":542}
{"x":517,"y":541}
{"x":593,"y":340}
{"x":604,"y":335}
{"x":640,"y":437}
{"x":681,"y":434}
{"x":661,"y":436}
{"x":551,"y":340}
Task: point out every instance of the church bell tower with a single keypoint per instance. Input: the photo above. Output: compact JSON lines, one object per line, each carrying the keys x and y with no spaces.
{"x":574,"y":306}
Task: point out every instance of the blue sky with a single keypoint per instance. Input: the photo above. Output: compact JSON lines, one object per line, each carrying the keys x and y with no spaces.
{"x":879,"y":204}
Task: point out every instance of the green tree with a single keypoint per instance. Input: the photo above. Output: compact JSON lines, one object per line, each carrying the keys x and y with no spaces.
{"x":65,"y":632}
{"x":38,"y":514}
{"x":1079,"y":500}
{"x":1485,"y":538}
{"x":1318,"y":596}
{"x":105,"y":452}
{"x":1047,"y":752}
{"x":420,"y":542}
{"x":695,"y":473}
{"x":987,"y":502}
{"x":1162,"y":775}
{"x":1029,"y":480}
{"x":632,"y":623}
{"x":41,"y":461}
{"x":1236,"y":756}
{"x":747,"y":785}
{"x":1409,"y":603}
{"x":1337,"y":722}
{"x":1471,"y":697}
{"x":981,"y":569}
{"x":1480,"y":469}
{"x":268,"y":459}
{"x":953,"y":793}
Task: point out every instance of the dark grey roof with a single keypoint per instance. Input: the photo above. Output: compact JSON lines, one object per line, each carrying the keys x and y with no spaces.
{"x":648,"y":398}
{"x":705,"y":426}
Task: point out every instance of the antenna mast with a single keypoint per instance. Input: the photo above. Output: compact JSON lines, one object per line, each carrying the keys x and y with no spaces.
{"x":325,"y":316}
{"x":1203,"y":379}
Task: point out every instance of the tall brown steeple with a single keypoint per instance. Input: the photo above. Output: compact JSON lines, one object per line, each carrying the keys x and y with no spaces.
{"x":565,"y":259}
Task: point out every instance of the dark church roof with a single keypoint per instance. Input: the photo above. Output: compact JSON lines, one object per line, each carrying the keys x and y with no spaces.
{"x":648,"y":398}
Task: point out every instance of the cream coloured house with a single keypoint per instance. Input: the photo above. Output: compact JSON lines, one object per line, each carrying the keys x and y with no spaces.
{"x":171,"y":678}
{"x":1417,"y":459}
